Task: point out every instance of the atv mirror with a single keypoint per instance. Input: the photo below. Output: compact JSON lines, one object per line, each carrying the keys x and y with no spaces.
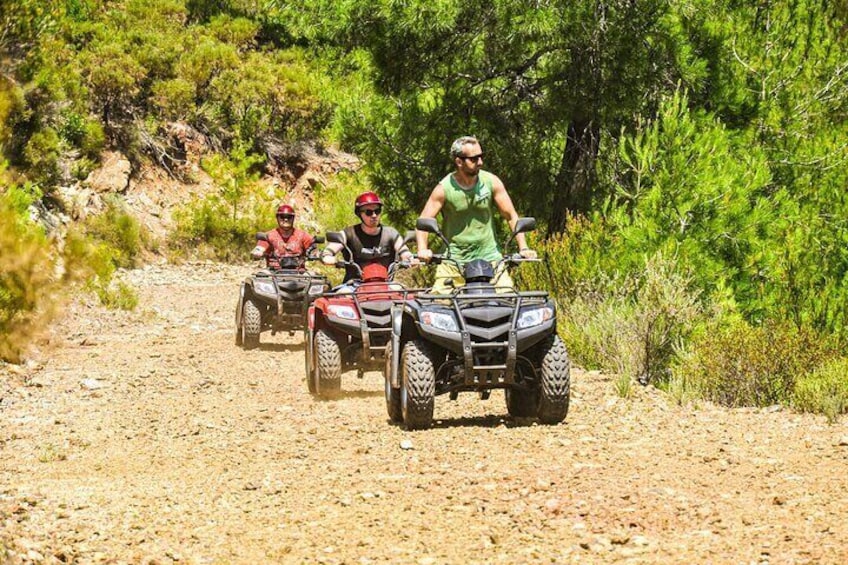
{"x":336,"y":237}
{"x":521,"y":225}
{"x":432,"y":226}
{"x":524,"y":225}
{"x":261,"y":236}
{"x":427,"y":224}
{"x":319,"y":239}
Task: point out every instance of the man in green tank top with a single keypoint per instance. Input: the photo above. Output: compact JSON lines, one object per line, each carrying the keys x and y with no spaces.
{"x":465,"y":199}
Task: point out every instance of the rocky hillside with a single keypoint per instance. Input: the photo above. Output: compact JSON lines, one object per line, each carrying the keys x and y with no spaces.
{"x":152,"y":190}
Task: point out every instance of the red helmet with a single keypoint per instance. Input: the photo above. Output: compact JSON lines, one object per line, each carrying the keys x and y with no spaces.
{"x":285,"y":209}
{"x":364,"y":199}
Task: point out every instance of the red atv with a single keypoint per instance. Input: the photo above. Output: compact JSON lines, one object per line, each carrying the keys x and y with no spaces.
{"x":351,"y":325}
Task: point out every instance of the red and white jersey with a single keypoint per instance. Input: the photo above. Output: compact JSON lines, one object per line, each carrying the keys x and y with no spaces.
{"x":278,"y":245}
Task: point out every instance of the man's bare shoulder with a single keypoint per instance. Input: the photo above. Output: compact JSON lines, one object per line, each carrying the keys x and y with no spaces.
{"x":497,"y":183}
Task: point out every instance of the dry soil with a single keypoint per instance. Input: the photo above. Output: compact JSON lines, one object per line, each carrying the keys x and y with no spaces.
{"x":149,"y":437}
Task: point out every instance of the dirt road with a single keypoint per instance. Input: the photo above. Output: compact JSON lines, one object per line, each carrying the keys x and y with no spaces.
{"x":148,"y":437}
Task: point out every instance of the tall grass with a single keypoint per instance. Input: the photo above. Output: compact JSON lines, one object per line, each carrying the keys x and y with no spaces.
{"x":734,"y":363}
{"x":824,"y":390}
{"x":628,"y":325}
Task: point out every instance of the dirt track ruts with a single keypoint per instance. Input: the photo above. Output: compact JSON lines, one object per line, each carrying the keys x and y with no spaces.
{"x":149,"y":437}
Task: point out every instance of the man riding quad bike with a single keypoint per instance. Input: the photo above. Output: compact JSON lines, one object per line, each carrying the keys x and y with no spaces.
{"x":277,"y":298}
{"x":349,"y":327}
{"x":475,"y":339}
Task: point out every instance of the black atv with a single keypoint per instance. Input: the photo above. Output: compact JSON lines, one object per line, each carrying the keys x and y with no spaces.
{"x":277,"y":299}
{"x":477,"y":339}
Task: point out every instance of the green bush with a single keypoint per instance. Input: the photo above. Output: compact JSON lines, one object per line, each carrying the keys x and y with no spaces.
{"x":175,"y":98}
{"x":121,"y":232}
{"x":207,"y":229}
{"x":333,"y":202}
{"x":42,"y":153}
{"x":115,"y":295}
{"x":631,"y":326}
{"x":734,"y":363}
{"x":34,"y":275}
{"x":824,"y":391}
{"x":83,"y":132}
{"x":570,"y":259}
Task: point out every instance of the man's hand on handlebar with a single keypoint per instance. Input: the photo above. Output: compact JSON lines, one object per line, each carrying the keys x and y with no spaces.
{"x":527,"y":253}
{"x":328,"y":259}
{"x":425,"y":255}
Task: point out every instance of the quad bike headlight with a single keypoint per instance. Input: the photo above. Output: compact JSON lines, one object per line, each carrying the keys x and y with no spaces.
{"x":533,"y":317}
{"x":440,"y":321}
{"x":315,"y":290}
{"x":342,"y":311}
{"x":264,"y":287}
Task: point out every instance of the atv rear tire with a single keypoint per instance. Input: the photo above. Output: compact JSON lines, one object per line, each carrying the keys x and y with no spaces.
{"x":521,"y":403}
{"x":251,"y":323}
{"x":393,"y":406}
{"x":328,"y":364}
{"x":555,"y":386}
{"x":418,"y":386}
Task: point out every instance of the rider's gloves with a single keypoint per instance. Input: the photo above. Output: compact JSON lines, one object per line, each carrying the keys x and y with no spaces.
{"x":328,"y":259}
{"x":410,"y":258}
{"x":527,"y":253}
{"x":424,"y":255}
{"x":257,"y":252}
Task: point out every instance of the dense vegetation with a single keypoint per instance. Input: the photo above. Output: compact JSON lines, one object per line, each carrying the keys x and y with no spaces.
{"x":688,"y":161}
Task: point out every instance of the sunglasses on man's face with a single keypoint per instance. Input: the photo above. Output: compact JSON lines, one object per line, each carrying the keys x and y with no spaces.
{"x":286,"y":217}
{"x":374,"y":212}
{"x":473,"y":158}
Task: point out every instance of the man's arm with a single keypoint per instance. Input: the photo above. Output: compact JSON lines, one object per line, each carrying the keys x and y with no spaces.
{"x":260,"y":250}
{"x":431,"y":210}
{"x":508,"y":213}
{"x":328,"y":255}
{"x":402,"y":252}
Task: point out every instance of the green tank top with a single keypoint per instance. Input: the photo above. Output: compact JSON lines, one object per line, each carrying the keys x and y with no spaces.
{"x":467,"y":219}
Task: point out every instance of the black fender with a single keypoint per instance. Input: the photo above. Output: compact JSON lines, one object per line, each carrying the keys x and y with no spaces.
{"x":393,"y":364}
{"x":240,"y":305}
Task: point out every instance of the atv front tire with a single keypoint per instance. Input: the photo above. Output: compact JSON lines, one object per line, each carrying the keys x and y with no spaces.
{"x":328,"y":364}
{"x":521,"y":403}
{"x":418,"y":386}
{"x":251,"y":323}
{"x":555,"y":386}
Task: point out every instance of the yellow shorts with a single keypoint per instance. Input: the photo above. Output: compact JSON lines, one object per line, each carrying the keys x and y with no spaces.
{"x":446,"y":272}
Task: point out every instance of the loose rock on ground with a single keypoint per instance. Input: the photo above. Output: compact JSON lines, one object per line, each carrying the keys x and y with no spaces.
{"x":149,"y":437}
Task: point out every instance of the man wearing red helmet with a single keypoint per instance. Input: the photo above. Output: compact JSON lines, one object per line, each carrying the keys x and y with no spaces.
{"x":383,"y":242}
{"x":283,"y":242}
{"x":466,"y":199}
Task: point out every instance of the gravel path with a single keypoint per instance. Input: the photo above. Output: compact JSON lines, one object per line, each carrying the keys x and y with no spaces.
{"x":148,"y":437}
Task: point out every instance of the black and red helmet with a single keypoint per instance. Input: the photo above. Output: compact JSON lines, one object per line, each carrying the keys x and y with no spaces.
{"x":365,"y":199}
{"x":285,"y":210}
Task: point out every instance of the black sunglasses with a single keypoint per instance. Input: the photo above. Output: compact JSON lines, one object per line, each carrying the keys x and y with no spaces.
{"x":289,"y":217}
{"x":473,"y":158}
{"x":374,"y":212}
